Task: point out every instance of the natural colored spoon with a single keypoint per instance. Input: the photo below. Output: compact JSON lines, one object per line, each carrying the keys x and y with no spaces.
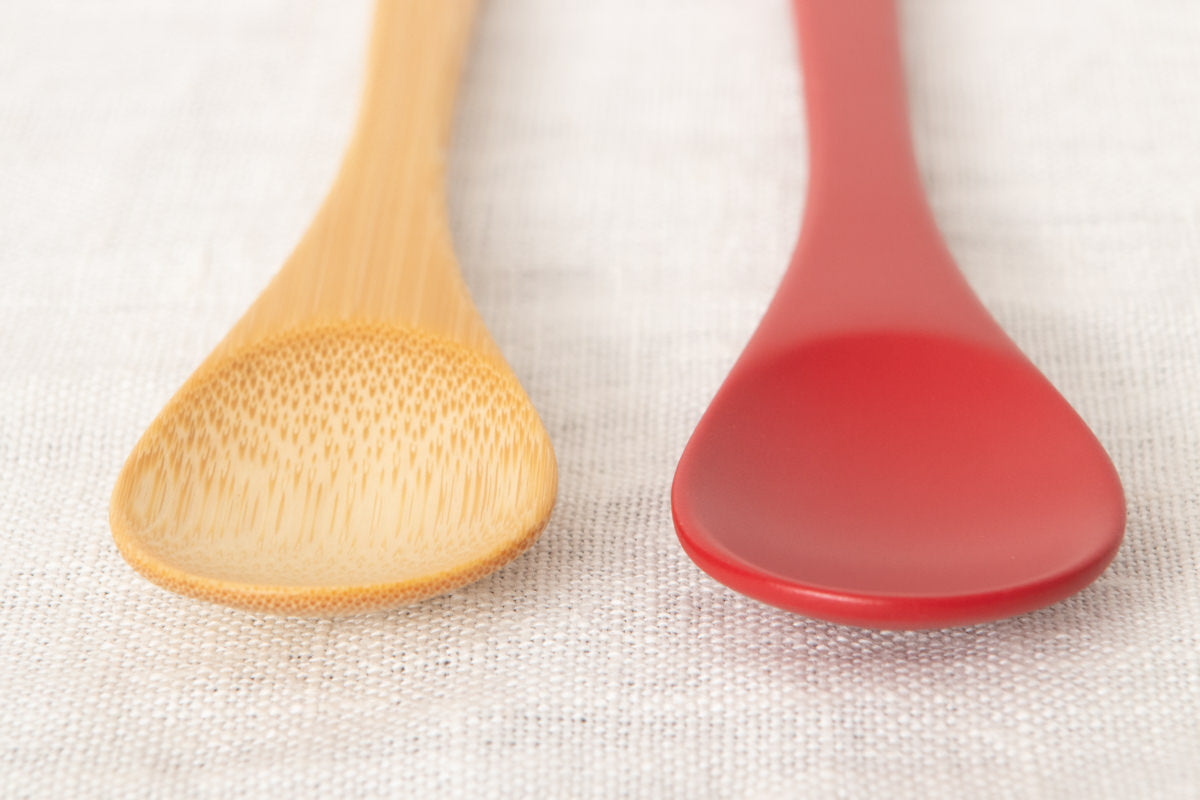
{"x":881,"y":454}
{"x":357,"y":440}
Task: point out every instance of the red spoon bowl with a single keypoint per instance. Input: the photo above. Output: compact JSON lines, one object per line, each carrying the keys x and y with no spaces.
{"x":882,"y":454}
{"x":897,"y":480}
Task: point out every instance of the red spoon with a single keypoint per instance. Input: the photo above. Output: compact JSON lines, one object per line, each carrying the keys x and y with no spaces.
{"x":882,"y":454}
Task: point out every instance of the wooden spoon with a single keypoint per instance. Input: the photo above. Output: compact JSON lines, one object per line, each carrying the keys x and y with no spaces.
{"x":882,"y":454}
{"x":357,"y":440}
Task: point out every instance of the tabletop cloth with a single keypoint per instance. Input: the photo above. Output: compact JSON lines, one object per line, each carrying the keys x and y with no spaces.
{"x":626,"y":181}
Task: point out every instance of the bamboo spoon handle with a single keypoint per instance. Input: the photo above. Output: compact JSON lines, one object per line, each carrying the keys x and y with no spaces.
{"x":380,"y":246}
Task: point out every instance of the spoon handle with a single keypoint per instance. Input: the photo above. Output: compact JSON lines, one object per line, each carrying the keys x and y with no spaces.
{"x":870,"y":256}
{"x":859,"y":143}
{"x":380,"y":249}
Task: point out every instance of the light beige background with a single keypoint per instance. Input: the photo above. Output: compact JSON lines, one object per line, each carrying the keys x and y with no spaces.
{"x":627,"y":179}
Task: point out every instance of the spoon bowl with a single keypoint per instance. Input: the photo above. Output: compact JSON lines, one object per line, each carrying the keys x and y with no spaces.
{"x":896,"y":478}
{"x":341,"y":468}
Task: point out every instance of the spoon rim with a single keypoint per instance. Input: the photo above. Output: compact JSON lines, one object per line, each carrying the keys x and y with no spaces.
{"x":888,"y":610}
{"x":305,"y":599}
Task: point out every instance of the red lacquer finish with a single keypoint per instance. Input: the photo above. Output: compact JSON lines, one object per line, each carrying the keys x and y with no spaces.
{"x":882,"y":454}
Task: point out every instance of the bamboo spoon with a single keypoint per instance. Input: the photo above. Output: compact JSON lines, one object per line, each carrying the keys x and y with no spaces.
{"x":357,"y":440}
{"x":882,"y":454}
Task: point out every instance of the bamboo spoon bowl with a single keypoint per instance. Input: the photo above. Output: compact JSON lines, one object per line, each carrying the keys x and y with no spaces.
{"x":357,"y":440}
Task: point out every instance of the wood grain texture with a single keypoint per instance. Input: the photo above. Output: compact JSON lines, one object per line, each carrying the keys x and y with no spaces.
{"x":356,"y":440}
{"x":380,"y":247}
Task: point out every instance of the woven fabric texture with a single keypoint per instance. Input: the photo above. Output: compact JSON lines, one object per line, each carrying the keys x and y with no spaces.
{"x":626,"y":183}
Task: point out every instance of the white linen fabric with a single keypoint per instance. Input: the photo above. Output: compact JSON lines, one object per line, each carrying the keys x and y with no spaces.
{"x":626,"y":183}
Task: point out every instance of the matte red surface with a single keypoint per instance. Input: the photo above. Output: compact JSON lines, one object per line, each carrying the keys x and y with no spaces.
{"x":882,"y":454}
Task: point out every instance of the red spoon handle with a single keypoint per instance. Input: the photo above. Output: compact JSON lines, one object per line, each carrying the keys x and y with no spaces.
{"x":870,"y":256}
{"x":860,"y":148}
